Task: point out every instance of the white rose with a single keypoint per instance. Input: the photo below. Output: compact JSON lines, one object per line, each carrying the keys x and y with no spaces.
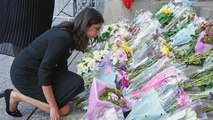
{"x":92,"y":64}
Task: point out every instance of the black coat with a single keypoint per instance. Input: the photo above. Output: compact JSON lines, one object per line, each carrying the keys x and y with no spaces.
{"x":22,"y":21}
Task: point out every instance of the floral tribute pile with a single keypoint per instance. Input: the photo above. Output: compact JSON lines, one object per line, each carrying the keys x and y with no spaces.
{"x":142,"y":70}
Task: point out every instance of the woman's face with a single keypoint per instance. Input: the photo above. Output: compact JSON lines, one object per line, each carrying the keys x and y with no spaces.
{"x":94,"y":31}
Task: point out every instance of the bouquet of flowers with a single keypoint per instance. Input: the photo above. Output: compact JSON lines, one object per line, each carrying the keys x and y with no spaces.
{"x":144,"y":110}
{"x":103,"y":95}
{"x":209,"y":34}
{"x":168,"y":75}
{"x":174,"y":98}
{"x":108,"y":113}
{"x":177,"y":27}
{"x":146,"y":74}
{"x":114,"y":96}
{"x":117,"y":29}
{"x":205,"y":82}
{"x":184,"y":36}
{"x":189,"y":112}
{"x":140,"y":23}
{"x":148,"y":50}
{"x":207,"y":27}
{"x":204,"y":42}
{"x":89,"y":62}
{"x":165,"y":17}
{"x":88,"y":65}
{"x":200,"y":95}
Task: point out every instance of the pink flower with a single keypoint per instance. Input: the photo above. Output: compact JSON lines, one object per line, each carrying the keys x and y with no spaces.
{"x":183,"y":98}
{"x":171,"y":55}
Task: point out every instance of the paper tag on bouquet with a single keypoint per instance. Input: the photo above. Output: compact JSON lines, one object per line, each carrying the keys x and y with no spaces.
{"x":178,"y":1}
{"x":188,"y":3}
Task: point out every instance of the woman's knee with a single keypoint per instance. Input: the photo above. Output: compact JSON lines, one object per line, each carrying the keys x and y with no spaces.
{"x":79,"y":80}
{"x":65,"y":110}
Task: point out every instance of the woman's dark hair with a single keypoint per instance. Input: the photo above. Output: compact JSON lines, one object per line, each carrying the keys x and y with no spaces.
{"x":78,"y":27}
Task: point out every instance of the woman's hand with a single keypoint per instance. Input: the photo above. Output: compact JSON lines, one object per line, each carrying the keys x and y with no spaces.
{"x":49,"y":95}
{"x":54,"y":113}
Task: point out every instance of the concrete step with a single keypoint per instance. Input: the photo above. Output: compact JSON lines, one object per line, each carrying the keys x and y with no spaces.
{"x":204,"y":9}
{"x":153,"y":5}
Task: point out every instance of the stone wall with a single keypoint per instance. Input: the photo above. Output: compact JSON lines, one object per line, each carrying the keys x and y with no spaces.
{"x":114,"y":10}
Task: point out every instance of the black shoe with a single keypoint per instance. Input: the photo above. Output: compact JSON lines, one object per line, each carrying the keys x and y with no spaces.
{"x":7,"y":101}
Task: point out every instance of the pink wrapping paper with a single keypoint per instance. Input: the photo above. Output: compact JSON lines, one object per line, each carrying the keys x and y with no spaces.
{"x":201,"y":47}
{"x":95,"y":104}
{"x":156,"y":82}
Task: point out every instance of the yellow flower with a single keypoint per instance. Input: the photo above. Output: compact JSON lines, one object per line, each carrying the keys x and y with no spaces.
{"x":165,"y":50}
{"x":126,"y":49}
{"x":166,"y":11}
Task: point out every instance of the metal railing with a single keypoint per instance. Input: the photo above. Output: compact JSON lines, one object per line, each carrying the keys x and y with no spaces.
{"x":68,"y":9}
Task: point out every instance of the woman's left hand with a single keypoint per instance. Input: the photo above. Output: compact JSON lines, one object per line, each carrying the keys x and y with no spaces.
{"x":54,"y":113}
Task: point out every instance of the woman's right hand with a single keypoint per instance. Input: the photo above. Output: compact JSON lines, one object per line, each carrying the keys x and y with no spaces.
{"x":54,"y":113}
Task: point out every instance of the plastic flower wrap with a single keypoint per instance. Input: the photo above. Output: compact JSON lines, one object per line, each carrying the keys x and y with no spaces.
{"x":185,"y":53}
{"x":89,"y":62}
{"x":107,"y":31}
{"x":200,"y":95}
{"x":184,"y":35}
{"x":114,"y":96}
{"x":123,"y":32}
{"x":168,"y":75}
{"x":188,"y":3}
{"x":166,"y":100}
{"x":165,"y":17}
{"x":151,"y":29}
{"x":204,"y":82}
{"x":115,"y":30}
{"x":147,"y":108}
{"x":174,"y":98}
{"x":141,"y":22}
{"x":101,"y":90}
{"x":179,"y":13}
{"x":119,"y":56}
{"x":201,"y":78}
{"x":190,"y":112}
{"x":201,"y":47}
{"x":112,"y":70}
{"x":148,"y":50}
{"x":146,"y":74}
{"x":207,"y":68}
{"x":87,"y":67}
{"x":209,"y":33}
{"x":209,"y":60}
{"x":179,"y":26}
{"x":200,"y":84}
{"x":122,"y":80}
{"x":108,"y":114}
{"x":107,"y":73}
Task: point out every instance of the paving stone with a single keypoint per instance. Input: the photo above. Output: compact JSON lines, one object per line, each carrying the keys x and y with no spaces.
{"x":25,"y":109}
{"x":2,"y":56}
{"x":41,"y":115}
{"x":6,"y":83}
